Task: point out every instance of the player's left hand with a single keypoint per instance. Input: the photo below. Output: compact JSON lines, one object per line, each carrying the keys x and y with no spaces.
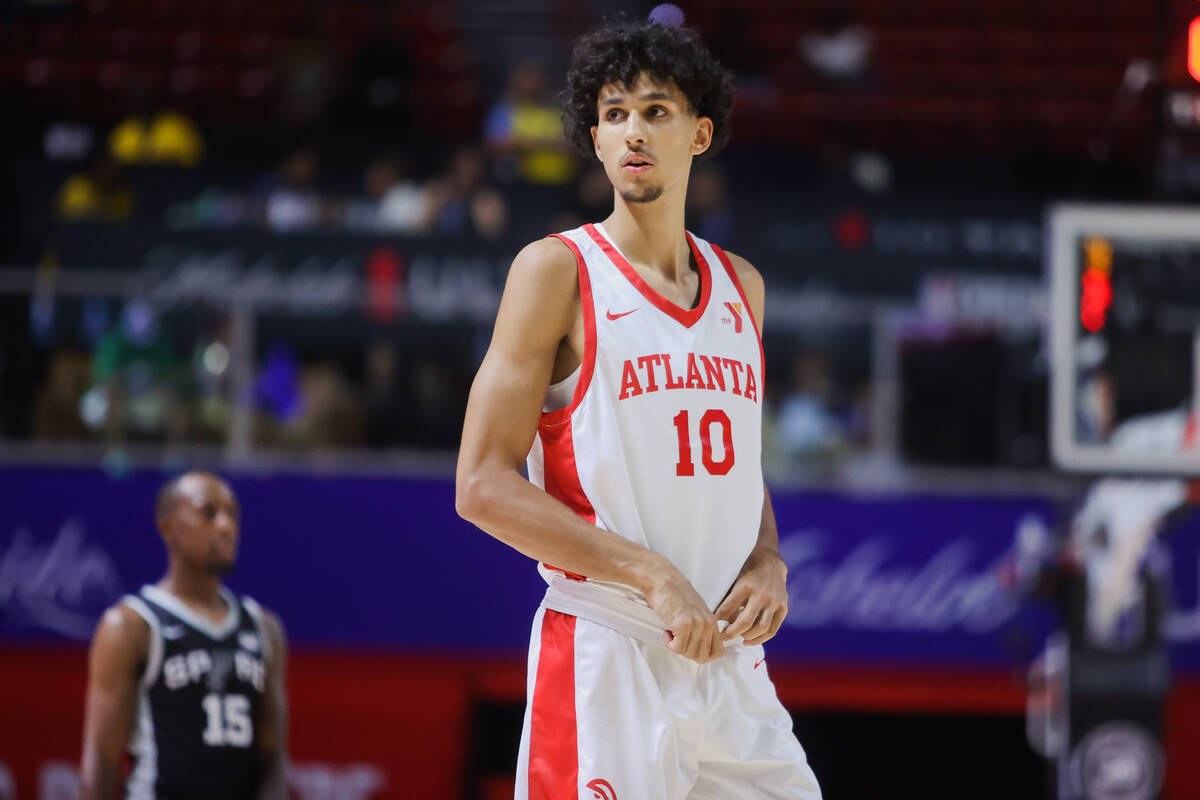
{"x":757,"y":603}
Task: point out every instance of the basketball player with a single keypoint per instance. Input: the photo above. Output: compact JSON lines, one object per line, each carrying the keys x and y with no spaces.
{"x":184,"y":677}
{"x":626,"y":368}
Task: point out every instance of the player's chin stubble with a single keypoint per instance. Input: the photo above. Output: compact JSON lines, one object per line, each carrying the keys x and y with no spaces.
{"x":647,"y":194}
{"x":220,"y":567}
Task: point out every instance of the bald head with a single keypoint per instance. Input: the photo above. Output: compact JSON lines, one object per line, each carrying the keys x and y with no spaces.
{"x":164,"y":504}
{"x":189,"y":483}
{"x":197,"y":515}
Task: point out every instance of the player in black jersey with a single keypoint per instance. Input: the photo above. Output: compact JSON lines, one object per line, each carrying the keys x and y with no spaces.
{"x":184,"y":677}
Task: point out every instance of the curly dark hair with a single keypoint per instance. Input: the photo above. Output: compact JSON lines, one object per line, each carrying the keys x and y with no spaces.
{"x":619,"y":51}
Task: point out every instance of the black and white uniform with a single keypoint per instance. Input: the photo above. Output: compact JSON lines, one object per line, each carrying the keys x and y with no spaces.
{"x":200,"y":701}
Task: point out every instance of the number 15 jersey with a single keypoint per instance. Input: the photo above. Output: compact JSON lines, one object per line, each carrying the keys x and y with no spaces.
{"x":199,"y":702}
{"x":661,"y":439}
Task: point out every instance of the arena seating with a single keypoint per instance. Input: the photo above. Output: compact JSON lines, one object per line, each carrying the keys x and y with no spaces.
{"x":219,"y":61}
{"x":986,"y":74}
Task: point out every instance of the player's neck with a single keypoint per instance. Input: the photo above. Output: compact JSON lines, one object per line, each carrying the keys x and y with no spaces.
{"x":201,"y":592}
{"x":651,"y":235}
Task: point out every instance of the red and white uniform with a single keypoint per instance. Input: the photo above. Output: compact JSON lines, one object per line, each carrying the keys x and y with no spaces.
{"x":656,"y":437}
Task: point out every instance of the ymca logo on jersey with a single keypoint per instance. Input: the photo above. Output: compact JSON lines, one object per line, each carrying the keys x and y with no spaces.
{"x":736,"y":310}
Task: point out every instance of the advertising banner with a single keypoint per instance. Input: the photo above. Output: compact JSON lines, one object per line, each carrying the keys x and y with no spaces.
{"x":403,"y":618}
{"x":353,"y":561}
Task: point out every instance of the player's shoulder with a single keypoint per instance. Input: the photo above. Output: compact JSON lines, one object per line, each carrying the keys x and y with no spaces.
{"x":548,"y":256}
{"x":544,"y":273}
{"x":122,"y":626}
{"x":270,"y":622}
{"x":752,"y":284}
{"x":270,"y":628}
{"x":746,"y":272}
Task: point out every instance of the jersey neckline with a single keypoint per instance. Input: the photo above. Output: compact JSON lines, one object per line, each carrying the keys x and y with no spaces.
{"x":686,"y":317}
{"x":215,"y":630}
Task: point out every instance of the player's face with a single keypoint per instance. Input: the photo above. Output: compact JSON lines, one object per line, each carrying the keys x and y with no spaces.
{"x":646,"y":136}
{"x":203,"y":527}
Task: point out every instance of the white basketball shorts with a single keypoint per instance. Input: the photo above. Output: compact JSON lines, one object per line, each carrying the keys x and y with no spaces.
{"x":610,"y":717}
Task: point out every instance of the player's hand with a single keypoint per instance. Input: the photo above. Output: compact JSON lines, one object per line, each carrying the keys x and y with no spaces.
{"x":691,"y":628}
{"x":757,"y":603}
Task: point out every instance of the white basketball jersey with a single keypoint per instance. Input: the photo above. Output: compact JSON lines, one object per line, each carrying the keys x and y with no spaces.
{"x":661,"y":441}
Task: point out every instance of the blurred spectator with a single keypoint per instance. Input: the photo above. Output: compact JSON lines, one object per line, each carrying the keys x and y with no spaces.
{"x":153,"y":135}
{"x":840,"y":51}
{"x":67,"y":141}
{"x":212,"y":381}
{"x":307,"y":77}
{"x":524,"y":131}
{"x":590,"y":200}
{"x":292,"y":202}
{"x":807,"y":425}
{"x":331,"y":416}
{"x":100,"y":193}
{"x":165,"y":137}
{"x":212,"y":208}
{"x":708,"y":204}
{"x":404,"y":207}
{"x":135,"y":379}
{"x":461,"y":201}
{"x":277,"y":386}
{"x":393,"y":203}
{"x":386,"y":404}
{"x":1096,"y":407}
{"x":56,"y":414}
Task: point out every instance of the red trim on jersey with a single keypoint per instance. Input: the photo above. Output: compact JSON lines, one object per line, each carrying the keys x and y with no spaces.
{"x":554,"y":429}
{"x":684,"y":316}
{"x":589,"y":338}
{"x":553,"y":752}
{"x":562,"y":475}
{"x":762,"y":375}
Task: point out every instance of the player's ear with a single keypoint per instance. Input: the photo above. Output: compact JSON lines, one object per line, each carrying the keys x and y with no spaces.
{"x":704,"y":135}
{"x":595,"y":144}
{"x":163,"y":523}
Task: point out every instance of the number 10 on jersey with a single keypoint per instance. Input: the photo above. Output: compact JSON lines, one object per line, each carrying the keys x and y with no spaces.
{"x":713,"y":417}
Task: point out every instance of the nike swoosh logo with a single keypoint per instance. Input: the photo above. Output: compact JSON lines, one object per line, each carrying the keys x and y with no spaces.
{"x":611,"y":315}
{"x":758,"y":663}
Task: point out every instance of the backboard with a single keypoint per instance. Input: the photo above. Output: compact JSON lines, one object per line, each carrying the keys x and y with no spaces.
{"x":1124,"y":338}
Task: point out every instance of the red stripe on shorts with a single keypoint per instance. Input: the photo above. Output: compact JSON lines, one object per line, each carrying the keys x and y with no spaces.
{"x":553,"y":754}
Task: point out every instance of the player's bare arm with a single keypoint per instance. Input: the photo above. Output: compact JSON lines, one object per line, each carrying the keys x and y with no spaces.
{"x":272,"y":732}
{"x":757,"y":603}
{"x":118,"y":655}
{"x":539,"y":312}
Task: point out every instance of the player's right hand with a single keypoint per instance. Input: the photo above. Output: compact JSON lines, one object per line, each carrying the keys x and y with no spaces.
{"x":691,"y":627}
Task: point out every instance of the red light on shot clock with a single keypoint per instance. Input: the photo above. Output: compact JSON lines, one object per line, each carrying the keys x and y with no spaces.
{"x":1096,"y":283}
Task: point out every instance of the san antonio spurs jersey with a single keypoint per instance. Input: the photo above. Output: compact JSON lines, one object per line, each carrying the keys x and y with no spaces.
{"x":199,"y":702}
{"x":660,"y":440}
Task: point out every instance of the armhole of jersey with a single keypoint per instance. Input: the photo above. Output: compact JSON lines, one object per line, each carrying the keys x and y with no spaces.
{"x":154,"y":657}
{"x":256,"y":613}
{"x":737,"y":284}
{"x":560,"y":415}
{"x":554,"y":429}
